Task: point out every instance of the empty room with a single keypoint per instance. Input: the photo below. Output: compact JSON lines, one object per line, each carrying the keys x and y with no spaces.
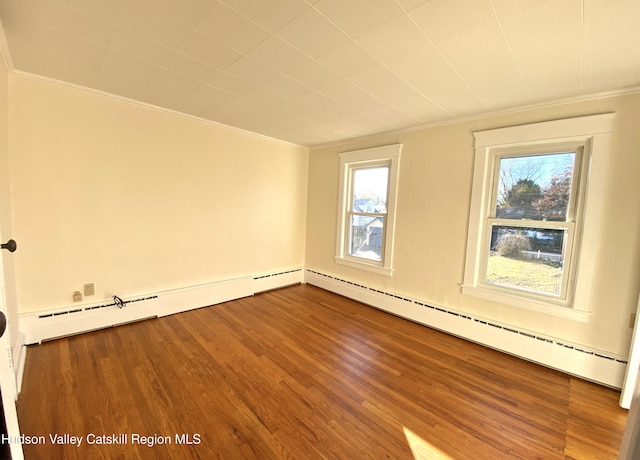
{"x":345,"y":229}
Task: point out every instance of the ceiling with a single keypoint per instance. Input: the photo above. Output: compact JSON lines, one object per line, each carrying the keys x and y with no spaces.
{"x":313,"y":72}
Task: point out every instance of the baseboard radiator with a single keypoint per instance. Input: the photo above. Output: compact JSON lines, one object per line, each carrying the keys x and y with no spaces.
{"x":589,"y":364}
{"x":600,"y":367}
{"x":54,"y":324}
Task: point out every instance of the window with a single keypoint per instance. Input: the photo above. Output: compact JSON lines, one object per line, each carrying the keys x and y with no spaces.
{"x":533,"y":221}
{"x":368,"y":181}
{"x":532,"y":231}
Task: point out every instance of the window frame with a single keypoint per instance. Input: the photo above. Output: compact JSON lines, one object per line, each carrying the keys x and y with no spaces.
{"x":388,"y":155}
{"x":590,"y":137}
{"x":572,"y":225}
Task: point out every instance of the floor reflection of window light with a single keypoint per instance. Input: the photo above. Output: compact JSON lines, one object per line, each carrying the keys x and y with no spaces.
{"x":421,"y":449}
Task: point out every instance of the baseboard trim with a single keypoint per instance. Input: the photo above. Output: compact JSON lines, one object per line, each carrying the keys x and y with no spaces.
{"x":190,"y":298}
{"x":277,"y":280}
{"x":72,"y":320}
{"x":594,"y":365}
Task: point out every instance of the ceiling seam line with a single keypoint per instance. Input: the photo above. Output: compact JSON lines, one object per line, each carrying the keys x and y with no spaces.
{"x":354,"y":40}
{"x":513,"y":56}
{"x":447,"y":61}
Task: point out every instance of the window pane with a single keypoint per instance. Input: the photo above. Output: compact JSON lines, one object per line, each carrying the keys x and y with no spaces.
{"x":370,"y":189}
{"x":536,"y":187}
{"x":527,"y":258}
{"x":366,"y":237}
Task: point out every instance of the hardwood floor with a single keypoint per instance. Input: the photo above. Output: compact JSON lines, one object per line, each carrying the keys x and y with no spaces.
{"x":301,"y":373}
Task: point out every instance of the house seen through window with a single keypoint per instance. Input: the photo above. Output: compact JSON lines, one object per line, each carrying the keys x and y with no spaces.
{"x":366,"y":215}
{"x":368,"y":212}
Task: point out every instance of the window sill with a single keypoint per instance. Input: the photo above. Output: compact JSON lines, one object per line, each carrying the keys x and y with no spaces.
{"x":380,"y":270}
{"x":527,"y":304}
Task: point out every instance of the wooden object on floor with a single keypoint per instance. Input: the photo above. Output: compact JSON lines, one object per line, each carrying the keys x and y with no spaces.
{"x":302,"y":373}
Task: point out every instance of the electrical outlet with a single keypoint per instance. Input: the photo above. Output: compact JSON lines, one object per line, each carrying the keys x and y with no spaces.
{"x":89,"y":289}
{"x":632,"y":320}
{"x":77,"y":296}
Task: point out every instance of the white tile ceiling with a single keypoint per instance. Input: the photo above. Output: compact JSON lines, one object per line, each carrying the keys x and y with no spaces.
{"x":318,"y":71}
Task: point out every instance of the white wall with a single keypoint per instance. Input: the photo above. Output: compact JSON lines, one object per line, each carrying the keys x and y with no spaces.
{"x":138,"y":200}
{"x":434,"y":195}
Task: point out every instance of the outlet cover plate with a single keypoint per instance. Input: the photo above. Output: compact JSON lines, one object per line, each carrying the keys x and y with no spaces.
{"x":89,"y":289}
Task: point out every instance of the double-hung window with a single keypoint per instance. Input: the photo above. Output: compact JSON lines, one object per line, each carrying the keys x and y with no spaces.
{"x":534,"y":220}
{"x":368,"y":182}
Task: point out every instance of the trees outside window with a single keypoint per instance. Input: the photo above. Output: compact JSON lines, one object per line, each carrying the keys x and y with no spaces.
{"x":532,"y":231}
{"x":528,"y":249}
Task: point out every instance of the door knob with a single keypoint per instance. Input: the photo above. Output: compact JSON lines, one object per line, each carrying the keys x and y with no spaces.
{"x":10,"y":246}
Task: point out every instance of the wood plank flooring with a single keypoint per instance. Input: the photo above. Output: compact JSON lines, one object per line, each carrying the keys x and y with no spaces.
{"x":301,"y":373}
